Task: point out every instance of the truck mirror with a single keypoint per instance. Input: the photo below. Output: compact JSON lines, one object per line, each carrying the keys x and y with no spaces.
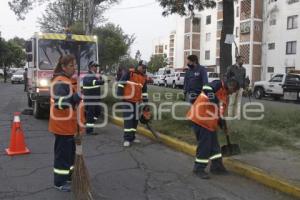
{"x":29,"y":57}
{"x":28,"y":46}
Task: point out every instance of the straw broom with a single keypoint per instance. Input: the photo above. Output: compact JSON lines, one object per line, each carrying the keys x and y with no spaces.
{"x":81,"y":186}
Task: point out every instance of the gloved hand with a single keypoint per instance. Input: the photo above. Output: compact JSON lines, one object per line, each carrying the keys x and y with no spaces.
{"x":146,"y":115}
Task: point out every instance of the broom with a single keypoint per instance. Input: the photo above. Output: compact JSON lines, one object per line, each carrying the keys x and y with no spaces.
{"x":81,"y":186}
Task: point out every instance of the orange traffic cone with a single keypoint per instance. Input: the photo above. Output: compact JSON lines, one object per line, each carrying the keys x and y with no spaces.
{"x":17,"y":144}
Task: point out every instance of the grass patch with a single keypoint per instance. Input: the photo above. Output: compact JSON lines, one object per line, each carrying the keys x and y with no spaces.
{"x":280,"y":126}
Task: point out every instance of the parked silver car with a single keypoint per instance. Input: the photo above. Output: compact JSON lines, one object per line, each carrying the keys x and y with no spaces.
{"x":17,"y":77}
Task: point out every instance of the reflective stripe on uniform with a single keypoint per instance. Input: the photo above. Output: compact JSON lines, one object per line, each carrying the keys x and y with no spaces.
{"x":60,"y":100}
{"x":91,"y":87}
{"x":201,"y":160}
{"x":95,"y":118}
{"x":206,"y":87}
{"x":145,"y":94}
{"x":72,"y":168}
{"x":90,"y":125}
{"x":61,"y":171}
{"x":216,"y":156}
{"x":129,"y":129}
{"x":130,"y":82}
{"x":120,"y":85}
{"x":94,"y":82}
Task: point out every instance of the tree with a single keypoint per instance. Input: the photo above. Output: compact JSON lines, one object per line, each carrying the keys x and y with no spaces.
{"x":67,"y":13}
{"x":19,"y":41}
{"x":89,"y":9}
{"x":11,"y":54}
{"x":113,"y":44}
{"x":156,"y":62}
{"x":188,"y":7}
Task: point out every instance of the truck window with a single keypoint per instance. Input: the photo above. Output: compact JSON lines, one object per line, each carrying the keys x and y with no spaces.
{"x":291,"y":78}
{"x":277,"y":79}
{"x":50,"y":51}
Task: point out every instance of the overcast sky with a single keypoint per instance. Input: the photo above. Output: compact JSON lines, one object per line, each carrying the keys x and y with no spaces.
{"x":142,"y":18}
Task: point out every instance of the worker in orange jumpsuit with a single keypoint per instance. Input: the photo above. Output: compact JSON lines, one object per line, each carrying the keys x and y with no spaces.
{"x":63,"y":120}
{"x":206,"y":115}
{"x":132,"y":88}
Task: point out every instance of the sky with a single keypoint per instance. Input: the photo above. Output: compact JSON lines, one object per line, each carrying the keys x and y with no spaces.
{"x":141,"y":18}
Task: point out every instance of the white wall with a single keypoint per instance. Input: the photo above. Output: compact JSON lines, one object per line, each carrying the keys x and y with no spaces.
{"x":279,"y":34}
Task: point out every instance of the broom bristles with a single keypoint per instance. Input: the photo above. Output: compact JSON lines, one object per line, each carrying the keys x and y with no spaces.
{"x":81,"y":186}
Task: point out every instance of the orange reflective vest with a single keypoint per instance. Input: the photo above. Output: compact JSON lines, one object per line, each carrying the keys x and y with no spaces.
{"x":207,"y":114}
{"x":64,"y":121}
{"x":133,"y":87}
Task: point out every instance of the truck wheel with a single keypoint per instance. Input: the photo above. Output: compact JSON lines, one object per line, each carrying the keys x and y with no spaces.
{"x":258,"y":93}
{"x":37,"y":110}
{"x":29,"y":102}
{"x":174,"y":85}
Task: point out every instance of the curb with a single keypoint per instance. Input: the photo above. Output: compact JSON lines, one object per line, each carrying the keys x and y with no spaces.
{"x":233,"y":165}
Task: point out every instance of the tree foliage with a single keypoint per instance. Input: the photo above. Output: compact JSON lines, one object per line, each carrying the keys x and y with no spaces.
{"x":67,"y":13}
{"x":90,"y":8}
{"x":156,"y":62}
{"x":11,"y":54}
{"x":185,"y":7}
{"x":113,"y":44}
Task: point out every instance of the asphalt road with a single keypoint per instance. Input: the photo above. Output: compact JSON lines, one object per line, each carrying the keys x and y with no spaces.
{"x":147,"y":171}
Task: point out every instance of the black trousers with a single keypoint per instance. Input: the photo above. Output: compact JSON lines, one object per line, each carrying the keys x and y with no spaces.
{"x":208,"y":148}
{"x":131,"y":120}
{"x":64,"y":155}
{"x":92,"y":113}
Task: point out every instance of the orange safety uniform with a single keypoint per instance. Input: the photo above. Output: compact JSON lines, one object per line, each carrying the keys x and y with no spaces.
{"x":207,"y":114}
{"x":134,"y":88}
{"x":63,"y":111}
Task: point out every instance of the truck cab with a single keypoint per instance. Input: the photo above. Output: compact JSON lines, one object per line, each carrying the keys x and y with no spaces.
{"x":43,"y":52}
{"x":278,"y":86}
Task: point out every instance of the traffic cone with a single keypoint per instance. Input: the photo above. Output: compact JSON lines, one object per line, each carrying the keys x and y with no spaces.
{"x":17,"y":144}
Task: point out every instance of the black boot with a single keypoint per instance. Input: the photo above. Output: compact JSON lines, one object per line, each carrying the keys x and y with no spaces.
{"x":218,"y":168}
{"x":201,"y":173}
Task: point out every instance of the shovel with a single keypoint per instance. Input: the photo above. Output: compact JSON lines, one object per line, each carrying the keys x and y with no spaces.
{"x":230,"y":149}
{"x":155,"y":134}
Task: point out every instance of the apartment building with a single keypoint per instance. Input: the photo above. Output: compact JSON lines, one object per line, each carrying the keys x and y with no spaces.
{"x":166,"y":46}
{"x":266,"y":34}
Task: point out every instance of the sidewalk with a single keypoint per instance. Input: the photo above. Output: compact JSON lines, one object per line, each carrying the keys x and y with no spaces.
{"x":283,"y":163}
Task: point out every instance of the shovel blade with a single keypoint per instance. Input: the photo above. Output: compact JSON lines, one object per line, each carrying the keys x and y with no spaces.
{"x":230,"y":150}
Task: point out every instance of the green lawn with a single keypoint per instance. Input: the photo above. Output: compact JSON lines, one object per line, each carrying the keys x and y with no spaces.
{"x":280,"y":126}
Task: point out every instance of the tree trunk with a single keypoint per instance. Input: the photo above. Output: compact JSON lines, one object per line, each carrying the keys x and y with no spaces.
{"x":90,"y":17}
{"x":228,"y":28}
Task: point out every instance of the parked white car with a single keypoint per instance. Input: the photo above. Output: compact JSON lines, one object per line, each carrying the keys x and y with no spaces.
{"x":213,"y":76}
{"x":175,"y":80}
{"x":159,"y":80}
{"x":17,"y":77}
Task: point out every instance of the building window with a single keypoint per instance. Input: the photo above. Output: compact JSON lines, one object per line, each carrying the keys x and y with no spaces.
{"x":207,"y":55}
{"x":292,"y":22}
{"x":219,"y":25}
{"x":270,"y":69}
{"x":237,"y":32}
{"x":289,"y":69}
{"x":291,"y":47}
{"x":208,"y":37}
{"x":220,"y":6}
{"x":166,"y":47}
{"x":271,"y":46}
{"x":208,"y":19}
{"x":238,"y":11}
{"x":272,"y":22}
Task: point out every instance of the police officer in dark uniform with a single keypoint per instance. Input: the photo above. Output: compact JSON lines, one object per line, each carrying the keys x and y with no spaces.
{"x":195,"y":79}
{"x":92,"y":92}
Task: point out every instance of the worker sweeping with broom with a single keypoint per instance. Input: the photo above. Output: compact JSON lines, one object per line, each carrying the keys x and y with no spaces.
{"x":63,"y":120}
{"x":206,"y":115}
